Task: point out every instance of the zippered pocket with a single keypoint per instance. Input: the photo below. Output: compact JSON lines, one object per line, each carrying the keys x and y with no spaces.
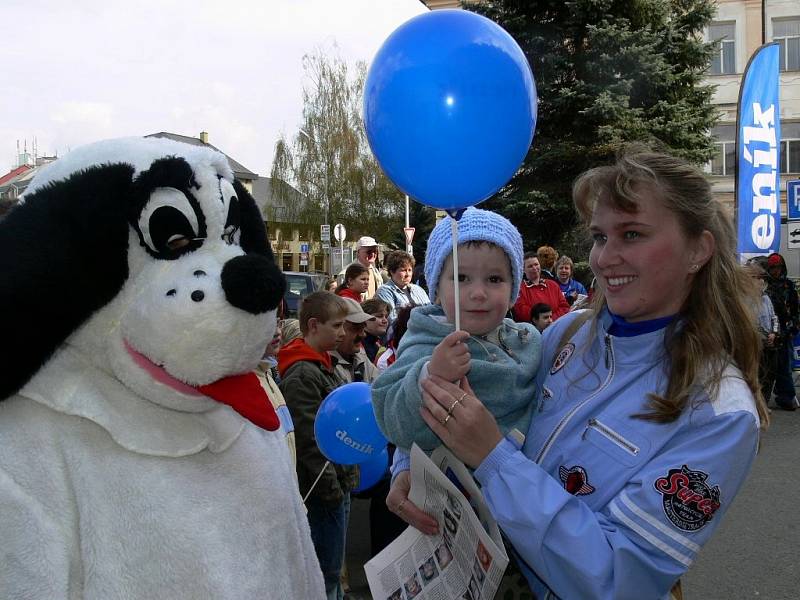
{"x":613,"y":436}
{"x":613,"y":441}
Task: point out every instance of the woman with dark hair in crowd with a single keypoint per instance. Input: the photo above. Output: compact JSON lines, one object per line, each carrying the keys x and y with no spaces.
{"x":399,"y":291}
{"x":356,"y":282}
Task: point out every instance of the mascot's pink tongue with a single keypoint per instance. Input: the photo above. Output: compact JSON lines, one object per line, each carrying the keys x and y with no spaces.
{"x":244,"y":394}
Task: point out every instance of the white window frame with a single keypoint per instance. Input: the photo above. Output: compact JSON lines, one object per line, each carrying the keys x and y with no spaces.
{"x":783,"y":40}
{"x":788,"y":152}
{"x":723,"y":43}
{"x":726,"y":168}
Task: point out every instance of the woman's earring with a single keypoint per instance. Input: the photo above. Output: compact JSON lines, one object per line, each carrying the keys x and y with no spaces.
{"x":694,"y":268}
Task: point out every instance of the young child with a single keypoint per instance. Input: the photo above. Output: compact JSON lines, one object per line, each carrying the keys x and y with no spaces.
{"x":307,"y":377}
{"x":488,"y":350}
{"x":356,"y":282}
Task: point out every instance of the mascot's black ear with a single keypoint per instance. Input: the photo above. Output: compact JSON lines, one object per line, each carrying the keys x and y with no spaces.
{"x":63,"y":255}
{"x":254,"y":231}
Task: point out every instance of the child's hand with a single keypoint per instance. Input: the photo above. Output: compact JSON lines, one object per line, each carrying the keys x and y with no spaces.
{"x":450,"y":359}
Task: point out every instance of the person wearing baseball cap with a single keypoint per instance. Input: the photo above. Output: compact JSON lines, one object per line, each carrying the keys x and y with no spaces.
{"x":349,"y":359}
{"x":366,"y":255}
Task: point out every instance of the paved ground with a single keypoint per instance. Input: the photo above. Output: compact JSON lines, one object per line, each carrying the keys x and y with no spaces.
{"x":754,"y":554}
{"x":756,"y":551}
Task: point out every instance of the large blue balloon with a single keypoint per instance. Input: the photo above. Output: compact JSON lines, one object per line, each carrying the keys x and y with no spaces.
{"x":372,"y":471}
{"x":345,"y":426}
{"x":450,"y":108}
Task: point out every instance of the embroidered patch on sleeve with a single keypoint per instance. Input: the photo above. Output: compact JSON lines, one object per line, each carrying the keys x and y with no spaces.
{"x":575,"y":480}
{"x":562,"y":357}
{"x":689,"y":502}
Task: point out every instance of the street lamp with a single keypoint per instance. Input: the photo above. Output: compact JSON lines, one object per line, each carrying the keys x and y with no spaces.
{"x":306,"y":135}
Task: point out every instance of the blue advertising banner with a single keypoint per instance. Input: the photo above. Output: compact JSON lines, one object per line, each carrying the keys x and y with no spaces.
{"x":758,"y":211}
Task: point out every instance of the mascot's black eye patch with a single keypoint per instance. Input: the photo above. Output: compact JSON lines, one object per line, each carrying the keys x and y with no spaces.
{"x":170,"y":231}
{"x":165,"y":212}
{"x":168,"y":224}
{"x":233,"y":221}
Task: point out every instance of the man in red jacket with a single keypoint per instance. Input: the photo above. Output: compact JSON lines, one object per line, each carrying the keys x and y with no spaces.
{"x":535,"y":289}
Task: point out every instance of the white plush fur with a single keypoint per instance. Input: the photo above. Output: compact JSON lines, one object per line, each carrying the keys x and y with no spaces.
{"x":114,"y":485}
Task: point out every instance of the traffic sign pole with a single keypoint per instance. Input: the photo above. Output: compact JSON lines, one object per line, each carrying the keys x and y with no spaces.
{"x":339,"y":232}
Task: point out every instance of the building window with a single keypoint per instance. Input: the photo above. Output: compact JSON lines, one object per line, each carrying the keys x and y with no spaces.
{"x":790,"y":156}
{"x":723,"y":61}
{"x":787,"y":33}
{"x":724,"y":159}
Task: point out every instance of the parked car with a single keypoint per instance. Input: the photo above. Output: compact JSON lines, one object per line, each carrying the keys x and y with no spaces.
{"x":298,"y":286}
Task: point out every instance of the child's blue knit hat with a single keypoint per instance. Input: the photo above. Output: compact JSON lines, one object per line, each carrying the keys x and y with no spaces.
{"x":475,"y":225}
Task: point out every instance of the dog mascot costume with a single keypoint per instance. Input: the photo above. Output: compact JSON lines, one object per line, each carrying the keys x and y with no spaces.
{"x":139,"y":456}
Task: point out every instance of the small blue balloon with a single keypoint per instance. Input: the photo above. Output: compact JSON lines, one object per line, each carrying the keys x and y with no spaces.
{"x":372,"y":471}
{"x":450,"y":108}
{"x":345,"y":426}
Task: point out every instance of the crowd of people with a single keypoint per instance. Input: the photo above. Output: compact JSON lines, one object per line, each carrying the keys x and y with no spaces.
{"x":664,"y":362}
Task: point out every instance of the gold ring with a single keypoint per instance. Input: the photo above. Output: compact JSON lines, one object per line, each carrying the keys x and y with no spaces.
{"x":399,"y":509}
{"x":464,"y":395}
{"x":446,"y":419}
{"x":452,"y":406}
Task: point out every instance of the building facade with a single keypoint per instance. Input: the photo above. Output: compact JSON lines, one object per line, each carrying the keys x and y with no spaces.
{"x":738,"y":27}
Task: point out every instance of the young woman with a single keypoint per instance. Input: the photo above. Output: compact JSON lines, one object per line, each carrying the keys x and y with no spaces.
{"x":356,"y":282}
{"x":375,"y":338}
{"x":649,"y":415}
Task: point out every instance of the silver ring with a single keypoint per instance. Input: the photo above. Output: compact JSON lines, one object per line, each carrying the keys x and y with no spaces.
{"x":452,"y":406}
{"x":446,"y":419}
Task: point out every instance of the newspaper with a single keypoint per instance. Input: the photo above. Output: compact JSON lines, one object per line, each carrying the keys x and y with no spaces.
{"x":464,"y":561}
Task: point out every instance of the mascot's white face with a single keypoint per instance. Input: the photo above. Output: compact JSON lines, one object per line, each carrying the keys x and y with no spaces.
{"x":196,"y":306}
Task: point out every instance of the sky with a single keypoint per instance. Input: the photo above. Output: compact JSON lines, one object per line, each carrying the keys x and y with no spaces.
{"x":85,"y":70}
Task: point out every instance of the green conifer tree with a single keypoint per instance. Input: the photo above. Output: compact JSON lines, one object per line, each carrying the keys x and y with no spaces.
{"x":608,"y":72}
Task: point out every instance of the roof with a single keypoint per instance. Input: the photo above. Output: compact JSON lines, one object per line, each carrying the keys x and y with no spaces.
{"x":19,"y":182}
{"x":14,"y":174}
{"x":239,"y":170}
{"x":277,"y":211}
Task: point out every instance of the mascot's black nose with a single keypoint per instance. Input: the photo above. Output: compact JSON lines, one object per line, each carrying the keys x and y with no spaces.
{"x":253,"y":283}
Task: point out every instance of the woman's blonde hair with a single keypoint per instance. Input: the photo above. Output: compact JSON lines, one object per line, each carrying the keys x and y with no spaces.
{"x":717,"y":324}
{"x":564,"y":260}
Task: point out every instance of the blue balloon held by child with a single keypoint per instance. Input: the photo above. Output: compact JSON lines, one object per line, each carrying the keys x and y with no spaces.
{"x":372,"y":471}
{"x":345,"y":426}
{"x":450,"y":108}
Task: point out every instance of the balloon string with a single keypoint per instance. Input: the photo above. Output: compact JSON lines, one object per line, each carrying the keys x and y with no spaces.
{"x":454,"y":235}
{"x":313,"y":485}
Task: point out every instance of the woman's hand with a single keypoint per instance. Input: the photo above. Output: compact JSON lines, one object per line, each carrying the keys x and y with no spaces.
{"x":397,"y":501}
{"x":459,"y":419}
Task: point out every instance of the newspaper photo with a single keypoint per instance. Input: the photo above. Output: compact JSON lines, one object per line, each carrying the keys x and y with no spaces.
{"x":464,"y":561}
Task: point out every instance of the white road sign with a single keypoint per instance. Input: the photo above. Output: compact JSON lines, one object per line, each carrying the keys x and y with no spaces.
{"x":339,"y":232}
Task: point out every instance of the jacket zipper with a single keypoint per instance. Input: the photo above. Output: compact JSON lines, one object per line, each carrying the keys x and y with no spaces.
{"x":612,"y":436}
{"x":565,"y":419}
